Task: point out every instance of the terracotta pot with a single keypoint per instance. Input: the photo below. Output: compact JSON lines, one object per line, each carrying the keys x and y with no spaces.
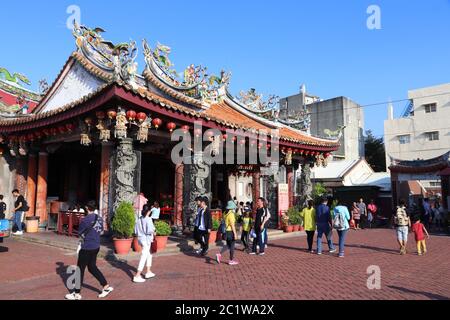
{"x":213,"y":237}
{"x":288,"y":229}
{"x":122,"y":246}
{"x":296,"y":228}
{"x":301,"y":229}
{"x":136,"y":246}
{"x":159,"y":244}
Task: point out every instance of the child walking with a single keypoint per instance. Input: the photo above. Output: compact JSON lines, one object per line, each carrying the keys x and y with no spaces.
{"x":246,"y":227}
{"x":419,"y":231}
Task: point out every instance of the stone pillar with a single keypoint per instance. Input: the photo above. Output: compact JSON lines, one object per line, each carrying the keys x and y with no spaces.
{"x":306,"y":189}
{"x":126,"y":161}
{"x":197,"y":182}
{"x":256,"y":192}
{"x":178,"y":205}
{"x":41,"y":199}
{"x":31,"y":184}
{"x":105,"y":171}
{"x":21,"y":180}
{"x":290,"y":182}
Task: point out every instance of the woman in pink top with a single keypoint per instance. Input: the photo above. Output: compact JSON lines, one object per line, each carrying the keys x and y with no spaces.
{"x":372,"y":212}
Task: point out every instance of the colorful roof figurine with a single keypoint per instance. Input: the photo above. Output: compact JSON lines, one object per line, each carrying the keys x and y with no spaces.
{"x":15,"y":99}
{"x":100,"y":72}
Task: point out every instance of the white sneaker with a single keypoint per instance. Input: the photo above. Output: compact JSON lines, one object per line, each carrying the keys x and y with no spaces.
{"x":73,"y":296}
{"x":138,"y":280}
{"x":150,"y":275}
{"x":18,"y":233}
{"x":105,"y":292}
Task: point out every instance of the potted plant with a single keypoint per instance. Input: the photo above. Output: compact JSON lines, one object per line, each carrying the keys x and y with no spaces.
{"x":215,"y":228}
{"x":294,"y":221}
{"x":287,"y":227}
{"x":136,"y":246}
{"x":163,"y":231}
{"x":123,"y":227}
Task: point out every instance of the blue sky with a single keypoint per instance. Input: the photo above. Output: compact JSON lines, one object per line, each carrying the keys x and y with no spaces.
{"x":272,"y":46}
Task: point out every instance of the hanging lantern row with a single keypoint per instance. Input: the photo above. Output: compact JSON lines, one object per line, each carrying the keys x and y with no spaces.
{"x":40,"y":134}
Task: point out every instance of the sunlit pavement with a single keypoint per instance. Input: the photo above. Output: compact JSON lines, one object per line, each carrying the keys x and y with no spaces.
{"x":287,"y":271}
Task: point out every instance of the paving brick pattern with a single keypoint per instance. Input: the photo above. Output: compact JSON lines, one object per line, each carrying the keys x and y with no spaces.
{"x":287,"y":272}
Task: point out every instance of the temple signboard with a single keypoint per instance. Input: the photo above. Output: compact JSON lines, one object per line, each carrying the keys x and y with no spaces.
{"x":283,"y":197}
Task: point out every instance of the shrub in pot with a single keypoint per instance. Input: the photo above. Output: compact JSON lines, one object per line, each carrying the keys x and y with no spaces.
{"x":163,"y":231}
{"x":215,"y":227}
{"x":123,"y":227}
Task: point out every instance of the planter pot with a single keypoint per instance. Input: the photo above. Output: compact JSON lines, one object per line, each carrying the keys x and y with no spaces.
{"x":32,"y":224}
{"x":159,"y":244}
{"x":288,"y":229}
{"x":136,"y":246}
{"x":213,"y":237}
{"x":301,"y":229}
{"x":296,"y":228}
{"x":122,"y":246}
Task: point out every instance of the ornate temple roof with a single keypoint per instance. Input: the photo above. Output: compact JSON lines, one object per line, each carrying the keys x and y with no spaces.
{"x":420,"y":165}
{"x":100,"y":71}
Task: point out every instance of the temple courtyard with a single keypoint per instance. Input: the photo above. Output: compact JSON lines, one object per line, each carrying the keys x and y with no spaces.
{"x":287,"y":272}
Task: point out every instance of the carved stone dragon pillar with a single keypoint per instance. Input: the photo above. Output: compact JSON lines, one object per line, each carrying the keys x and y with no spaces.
{"x":124,"y":175}
{"x":197,"y":182}
{"x":306,"y":188}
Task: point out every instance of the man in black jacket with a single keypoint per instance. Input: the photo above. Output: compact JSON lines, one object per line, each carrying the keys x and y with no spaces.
{"x":203,"y":225}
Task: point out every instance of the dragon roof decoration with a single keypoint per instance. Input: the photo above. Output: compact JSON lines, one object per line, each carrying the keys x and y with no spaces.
{"x":116,"y":59}
{"x":194,"y":82}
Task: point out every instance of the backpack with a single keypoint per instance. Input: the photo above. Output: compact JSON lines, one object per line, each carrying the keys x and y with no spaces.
{"x":401,"y":218}
{"x":338,"y":221}
{"x":25,"y":207}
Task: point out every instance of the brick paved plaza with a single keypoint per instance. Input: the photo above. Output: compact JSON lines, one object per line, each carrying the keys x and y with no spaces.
{"x":30,"y":271}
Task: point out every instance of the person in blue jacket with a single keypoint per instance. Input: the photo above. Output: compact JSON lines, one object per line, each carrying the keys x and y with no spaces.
{"x":341,"y":224}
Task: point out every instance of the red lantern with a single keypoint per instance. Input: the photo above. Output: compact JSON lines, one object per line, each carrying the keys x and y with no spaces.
{"x":198,"y":132}
{"x":38,"y":134}
{"x":185,"y":129}
{"x":224,"y":137}
{"x":307,"y":153}
{"x":253,"y":142}
{"x":171,"y":126}
{"x":131,"y":115}
{"x":157,"y":122}
{"x":268,"y":146}
{"x":46,"y":131}
{"x":260,"y":145}
{"x":88,"y":121}
{"x":100,"y":115}
{"x":62,"y":129}
{"x":53,"y":131}
{"x":141,"y":117}
{"x":209,"y":134}
{"x":242,"y":141}
{"x":327,"y":154}
{"x":70,"y":127}
{"x":111,"y":114}
{"x":30,"y":137}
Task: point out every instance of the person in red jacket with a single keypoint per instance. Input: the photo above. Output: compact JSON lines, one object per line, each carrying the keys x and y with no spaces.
{"x":419,"y":231}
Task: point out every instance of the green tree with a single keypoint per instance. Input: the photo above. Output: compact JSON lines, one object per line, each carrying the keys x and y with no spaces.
{"x":318,"y":192}
{"x":375,"y":152}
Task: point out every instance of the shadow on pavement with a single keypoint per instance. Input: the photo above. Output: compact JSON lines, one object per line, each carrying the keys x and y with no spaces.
{"x":121,"y":265}
{"x":3,"y":249}
{"x":388,"y":251}
{"x":429,"y":295}
{"x":61,"y":271}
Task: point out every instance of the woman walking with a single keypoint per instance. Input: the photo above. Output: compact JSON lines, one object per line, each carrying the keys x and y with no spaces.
{"x":402,"y":223}
{"x":309,"y":221}
{"x":340,"y":223}
{"x":90,"y":229}
{"x":356,"y":215}
{"x":231,"y":235}
{"x":145,"y":231}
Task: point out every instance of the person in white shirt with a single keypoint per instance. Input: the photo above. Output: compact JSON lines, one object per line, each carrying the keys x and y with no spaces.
{"x":155,"y":211}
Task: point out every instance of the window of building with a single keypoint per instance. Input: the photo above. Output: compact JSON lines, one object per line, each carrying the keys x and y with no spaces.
{"x":431,"y":107}
{"x":435,"y":184}
{"x":404,"y":139}
{"x":432,"y":136}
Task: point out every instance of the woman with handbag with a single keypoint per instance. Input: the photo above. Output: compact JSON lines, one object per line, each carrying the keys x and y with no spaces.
{"x":145,"y":231}
{"x":231,"y":234}
{"x":90,"y":229}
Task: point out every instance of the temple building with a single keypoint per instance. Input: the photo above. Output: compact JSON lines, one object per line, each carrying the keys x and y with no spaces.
{"x":104,"y":132}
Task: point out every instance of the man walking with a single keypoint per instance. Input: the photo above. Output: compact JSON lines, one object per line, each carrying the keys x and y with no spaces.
{"x":324,"y":226}
{"x":259,"y":228}
{"x":363,"y":212}
{"x":402,"y":222}
{"x":203,"y":226}
{"x":20,"y":207}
